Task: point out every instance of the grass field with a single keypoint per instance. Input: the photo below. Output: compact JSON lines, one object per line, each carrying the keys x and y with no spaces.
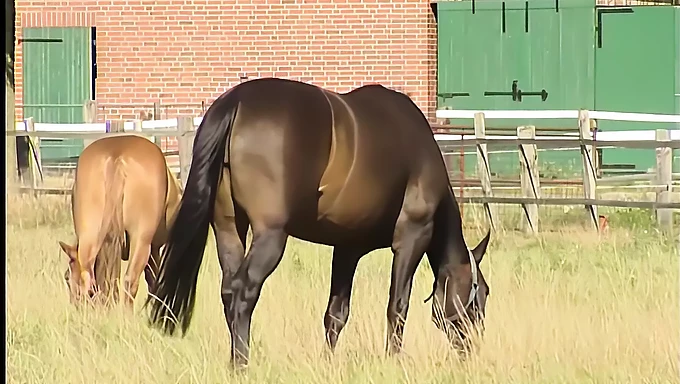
{"x":565,"y":307}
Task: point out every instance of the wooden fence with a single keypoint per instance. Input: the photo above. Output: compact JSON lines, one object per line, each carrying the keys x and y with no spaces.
{"x":526,"y":140}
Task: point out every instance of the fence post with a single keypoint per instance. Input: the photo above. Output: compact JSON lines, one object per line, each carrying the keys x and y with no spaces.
{"x":483,"y":169}
{"x":185,"y":140}
{"x":664,"y":169}
{"x":529,"y":177}
{"x":115,"y":126}
{"x":89,"y":116}
{"x":137,"y":126}
{"x":157,"y":110}
{"x":597,"y":154}
{"x":34,"y":158}
{"x":589,"y":175}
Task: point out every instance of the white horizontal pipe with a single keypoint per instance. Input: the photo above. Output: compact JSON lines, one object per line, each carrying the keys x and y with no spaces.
{"x":556,"y":114}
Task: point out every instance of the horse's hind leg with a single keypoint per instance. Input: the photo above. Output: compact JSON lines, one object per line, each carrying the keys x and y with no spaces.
{"x":230,"y":236}
{"x":151,"y":269}
{"x":342,"y":275}
{"x":230,"y":227}
{"x":244,"y":291}
{"x":140,"y":247}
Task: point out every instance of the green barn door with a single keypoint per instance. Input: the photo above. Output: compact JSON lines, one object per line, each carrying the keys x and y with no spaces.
{"x":481,"y":53}
{"x":57,"y":81}
{"x":465,"y":67}
{"x":634,"y":72}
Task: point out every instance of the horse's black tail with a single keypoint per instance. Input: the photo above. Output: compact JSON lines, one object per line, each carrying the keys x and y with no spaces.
{"x":176,"y":286}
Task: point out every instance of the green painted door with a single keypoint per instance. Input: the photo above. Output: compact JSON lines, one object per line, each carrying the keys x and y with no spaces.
{"x":57,"y":81}
{"x":482,"y":53}
{"x":636,"y":71}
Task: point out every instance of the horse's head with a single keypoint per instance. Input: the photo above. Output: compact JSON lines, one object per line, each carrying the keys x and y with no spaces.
{"x":460,"y":294}
{"x":80,"y":282}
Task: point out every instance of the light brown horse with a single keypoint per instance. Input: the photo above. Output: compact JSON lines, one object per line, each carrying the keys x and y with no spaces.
{"x":123,"y":203}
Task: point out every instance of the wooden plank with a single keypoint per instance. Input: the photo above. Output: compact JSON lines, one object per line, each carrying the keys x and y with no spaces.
{"x":545,"y":143}
{"x":91,"y":135}
{"x":664,"y":177}
{"x":156,"y":110}
{"x":185,"y":139}
{"x":483,"y":169}
{"x":11,"y":165}
{"x":454,"y":143}
{"x":137,"y":128}
{"x":115,"y":126}
{"x":529,"y":178}
{"x":482,"y":199}
{"x":89,"y":117}
{"x":570,"y":201}
{"x":589,"y":171}
{"x":34,"y":160}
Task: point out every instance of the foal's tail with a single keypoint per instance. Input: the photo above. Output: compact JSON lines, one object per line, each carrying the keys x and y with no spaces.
{"x":183,"y":253}
{"x":112,"y":232}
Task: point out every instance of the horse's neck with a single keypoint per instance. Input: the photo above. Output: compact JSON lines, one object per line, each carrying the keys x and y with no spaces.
{"x":454,"y":248}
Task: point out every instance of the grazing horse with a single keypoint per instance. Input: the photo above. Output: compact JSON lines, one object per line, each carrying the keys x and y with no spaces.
{"x":357,"y":171}
{"x":123,"y":201}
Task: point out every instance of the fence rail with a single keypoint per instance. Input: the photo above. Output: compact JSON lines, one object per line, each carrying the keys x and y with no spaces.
{"x":526,"y":140}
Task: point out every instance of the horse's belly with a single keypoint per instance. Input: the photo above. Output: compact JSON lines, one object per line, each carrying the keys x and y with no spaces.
{"x":352,"y":216}
{"x":370,"y":235}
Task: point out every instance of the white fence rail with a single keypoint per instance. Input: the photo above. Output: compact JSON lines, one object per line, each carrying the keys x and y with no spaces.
{"x":526,"y":140}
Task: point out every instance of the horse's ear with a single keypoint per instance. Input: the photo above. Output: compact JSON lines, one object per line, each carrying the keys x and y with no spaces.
{"x":70,"y":250}
{"x":480,"y":249}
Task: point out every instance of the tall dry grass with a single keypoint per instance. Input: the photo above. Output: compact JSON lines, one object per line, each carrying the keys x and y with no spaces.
{"x":565,"y":307}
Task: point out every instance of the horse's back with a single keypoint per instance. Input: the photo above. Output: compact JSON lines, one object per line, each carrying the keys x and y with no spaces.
{"x":139,"y":160}
{"x":122,"y":170}
{"x":331,"y":165}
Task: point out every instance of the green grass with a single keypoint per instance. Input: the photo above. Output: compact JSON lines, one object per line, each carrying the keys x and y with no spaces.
{"x":565,"y":307}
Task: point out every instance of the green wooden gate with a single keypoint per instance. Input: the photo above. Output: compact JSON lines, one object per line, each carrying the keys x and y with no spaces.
{"x":599,"y":58}
{"x":57,"y":81}
{"x":529,"y":45}
{"x":638,"y":70}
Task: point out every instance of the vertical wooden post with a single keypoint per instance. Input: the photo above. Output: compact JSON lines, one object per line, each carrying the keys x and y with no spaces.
{"x":89,"y":116}
{"x":115,"y":126}
{"x":137,"y":124}
{"x":185,"y":139}
{"x":664,"y":169}
{"x":597,"y":154}
{"x":90,"y":111}
{"x":589,"y":175}
{"x":34,"y":159}
{"x":157,"y":110}
{"x":483,"y":169}
{"x":529,"y":177}
{"x":11,"y":158}
{"x":461,"y":170}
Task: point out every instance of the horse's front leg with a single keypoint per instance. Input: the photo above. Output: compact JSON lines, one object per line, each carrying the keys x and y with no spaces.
{"x":411,"y":239}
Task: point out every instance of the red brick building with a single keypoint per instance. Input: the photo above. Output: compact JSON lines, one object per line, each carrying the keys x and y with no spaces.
{"x":181,"y":53}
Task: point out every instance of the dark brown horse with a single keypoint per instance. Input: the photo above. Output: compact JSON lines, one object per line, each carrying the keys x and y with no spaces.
{"x":357,"y":171}
{"x":124,"y":199}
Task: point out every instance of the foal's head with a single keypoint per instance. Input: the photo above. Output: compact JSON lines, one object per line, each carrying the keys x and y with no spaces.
{"x":80,"y":281}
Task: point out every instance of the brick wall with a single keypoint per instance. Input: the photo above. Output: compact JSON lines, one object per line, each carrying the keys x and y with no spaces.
{"x":183,"y":52}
